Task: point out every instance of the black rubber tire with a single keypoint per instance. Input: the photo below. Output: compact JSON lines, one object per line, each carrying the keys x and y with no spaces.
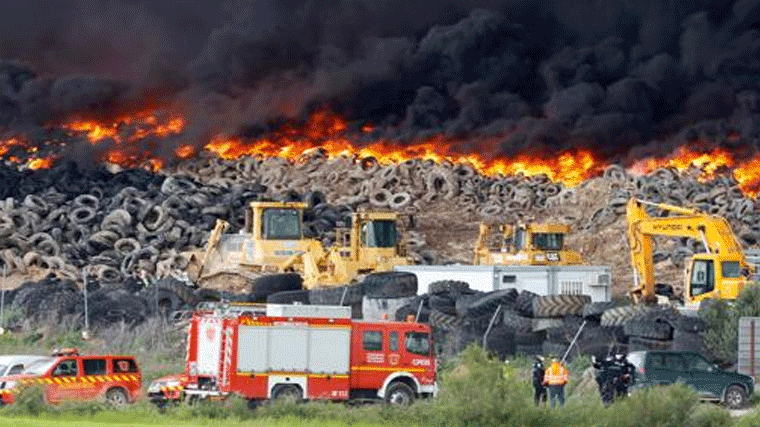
{"x":594,"y":310}
{"x":559,"y":305}
{"x":450,"y":287}
{"x":617,"y":316}
{"x":524,"y":303}
{"x":501,"y":341}
{"x":688,"y":341}
{"x":263,"y":286}
{"x":735,"y":397}
{"x":404,"y":311}
{"x":184,"y":292}
{"x":390,"y":284}
{"x":690,"y":324}
{"x":166,"y":300}
{"x":443,"y":303}
{"x":399,"y":394}
{"x":518,"y":323}
{"x":287,"y":392}
{"x":464,"y":301}
{"x":662,"y":313}
{"x":480,"y":324}
{"x":445,"y":321}
{"x":289,"y":297}
{"x":207,"y":294}
{"x":648,"y":329}
{"x":529,"y":338}
{"x":348,"y":295}
{"x":489,"y":302}
{"x":117,"y":397}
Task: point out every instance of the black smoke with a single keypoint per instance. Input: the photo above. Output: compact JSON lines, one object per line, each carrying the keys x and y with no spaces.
{"x":619,"y":77}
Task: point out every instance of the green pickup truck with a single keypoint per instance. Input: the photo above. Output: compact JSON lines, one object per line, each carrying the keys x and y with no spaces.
{"x":708,"y":380}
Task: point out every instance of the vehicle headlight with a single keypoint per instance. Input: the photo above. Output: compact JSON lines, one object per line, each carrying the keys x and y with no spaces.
{"x":156,"y":386}
{"x":9,"y":384}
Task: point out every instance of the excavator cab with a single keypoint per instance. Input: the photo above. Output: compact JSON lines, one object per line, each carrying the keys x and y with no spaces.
{"x":705,"y":270}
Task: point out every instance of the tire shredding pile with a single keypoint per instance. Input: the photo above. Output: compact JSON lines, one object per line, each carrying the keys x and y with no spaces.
{"x":56,"y":224}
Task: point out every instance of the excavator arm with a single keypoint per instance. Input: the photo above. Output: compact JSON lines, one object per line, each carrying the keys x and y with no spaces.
{"x":713,"y":231}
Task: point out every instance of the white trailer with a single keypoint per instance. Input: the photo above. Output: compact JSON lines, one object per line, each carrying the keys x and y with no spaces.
{"x":589,"y":280}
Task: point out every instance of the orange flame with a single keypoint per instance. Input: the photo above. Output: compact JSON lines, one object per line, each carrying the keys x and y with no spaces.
{"x":134,"y":135}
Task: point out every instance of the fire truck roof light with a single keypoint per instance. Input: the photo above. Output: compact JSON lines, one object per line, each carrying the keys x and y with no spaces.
{"x":66,"y":352}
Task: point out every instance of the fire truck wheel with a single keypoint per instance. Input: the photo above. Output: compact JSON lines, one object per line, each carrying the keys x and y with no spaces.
{"x":287,"y":392}
{"x":399,"y":393}
{"x":117,"y":397}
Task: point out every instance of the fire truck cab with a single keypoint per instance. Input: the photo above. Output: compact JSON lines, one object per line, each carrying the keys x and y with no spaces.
{"x":303,"y":353}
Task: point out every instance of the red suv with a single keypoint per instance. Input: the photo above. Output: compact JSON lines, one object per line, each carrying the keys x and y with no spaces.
{"x":67,"y":375}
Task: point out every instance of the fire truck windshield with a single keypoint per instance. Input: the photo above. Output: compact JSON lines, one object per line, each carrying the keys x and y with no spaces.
{"x":418,"y":343}
{"x":281,"y":224}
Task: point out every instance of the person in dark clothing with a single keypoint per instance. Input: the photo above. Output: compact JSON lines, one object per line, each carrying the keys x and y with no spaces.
{"x":538,"y":381}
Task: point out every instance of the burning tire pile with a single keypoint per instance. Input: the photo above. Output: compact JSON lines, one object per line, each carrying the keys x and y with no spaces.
{"x":65,"y":221}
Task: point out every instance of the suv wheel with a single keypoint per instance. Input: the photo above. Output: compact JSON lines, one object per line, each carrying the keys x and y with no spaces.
{"x":736,"y":397}
{"x":117,"y":397}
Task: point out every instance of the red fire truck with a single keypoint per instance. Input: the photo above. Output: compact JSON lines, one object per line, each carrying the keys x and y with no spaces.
{"x":304,"y":353}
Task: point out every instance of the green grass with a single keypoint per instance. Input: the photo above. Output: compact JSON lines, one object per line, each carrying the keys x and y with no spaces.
{"x":475,"y":391}
{"x":128,"y":419}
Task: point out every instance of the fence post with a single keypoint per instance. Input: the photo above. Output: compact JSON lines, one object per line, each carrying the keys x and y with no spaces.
{"x":86,"y":332}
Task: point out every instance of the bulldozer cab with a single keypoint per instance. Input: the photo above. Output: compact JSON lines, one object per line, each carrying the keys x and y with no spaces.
{"x":275,"y":221}
{"x":379,"y":233}
{"x":525,"y":244}
{"x":705,"y":270}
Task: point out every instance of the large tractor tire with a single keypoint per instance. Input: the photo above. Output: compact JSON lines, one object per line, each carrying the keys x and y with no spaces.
{"x":489,"y":302}
{"x":516,"y":322}
{"x":648,"y":329}
{"x":345,"y":295}
{"x":390,"y":284}
{"x":264,"y":286}
{"x":524,"y":303}
{"x":289,"y":297}
{"x":617,"y":316}
{"x":559,"y":305}
{"x":450,"y":287}
{"x":445,"y":321}
{"x":594,"y":310}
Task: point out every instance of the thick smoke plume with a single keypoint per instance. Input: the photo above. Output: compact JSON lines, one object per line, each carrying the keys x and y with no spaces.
{"x":624,"y":79}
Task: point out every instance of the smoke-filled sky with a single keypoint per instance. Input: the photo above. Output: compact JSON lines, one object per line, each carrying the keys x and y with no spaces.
{"x":617,"y":76}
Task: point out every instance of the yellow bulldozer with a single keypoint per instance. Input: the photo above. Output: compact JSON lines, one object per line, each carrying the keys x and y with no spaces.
{"x":720,"y":272}
{"x":524,"y":244}
{"x":272,"y":233}
{"x":272,"y":241}
{"x":373,"y":243}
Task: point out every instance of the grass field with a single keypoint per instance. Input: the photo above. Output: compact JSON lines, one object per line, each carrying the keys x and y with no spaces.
{"x":128,"y":420}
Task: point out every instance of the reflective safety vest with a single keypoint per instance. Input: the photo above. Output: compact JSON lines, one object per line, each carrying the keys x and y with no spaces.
{"x":556,"y":374}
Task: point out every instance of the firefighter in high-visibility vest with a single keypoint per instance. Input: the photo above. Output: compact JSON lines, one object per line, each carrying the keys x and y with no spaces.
{"x":555,"y":379}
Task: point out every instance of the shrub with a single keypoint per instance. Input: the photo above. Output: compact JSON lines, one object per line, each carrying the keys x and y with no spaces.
{"x":709,"y":415}
{"x":665,"y":406}
{"x":31,"y":401}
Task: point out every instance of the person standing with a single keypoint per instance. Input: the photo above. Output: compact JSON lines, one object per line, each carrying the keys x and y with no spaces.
{"x":555,"y":379}
{"x":538,"y":380}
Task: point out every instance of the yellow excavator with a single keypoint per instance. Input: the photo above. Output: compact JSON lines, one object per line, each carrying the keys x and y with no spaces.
{"x":373,"y":243}
{"x":720,"y":272}
{"x":524,"y":244}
